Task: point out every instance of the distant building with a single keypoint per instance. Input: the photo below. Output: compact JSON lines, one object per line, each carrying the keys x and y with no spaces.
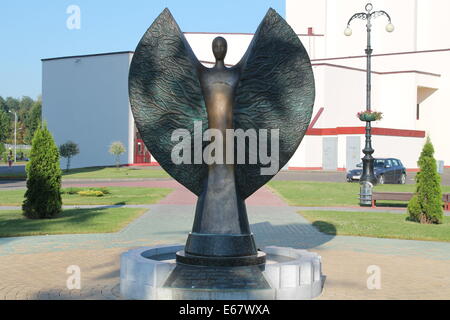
{"x":85,"y":98}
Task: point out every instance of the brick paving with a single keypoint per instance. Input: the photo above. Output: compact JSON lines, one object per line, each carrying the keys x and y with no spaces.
{"x":36,"y":267}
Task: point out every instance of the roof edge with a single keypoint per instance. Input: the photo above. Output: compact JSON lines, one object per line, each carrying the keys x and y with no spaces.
{"x":88,"y":55}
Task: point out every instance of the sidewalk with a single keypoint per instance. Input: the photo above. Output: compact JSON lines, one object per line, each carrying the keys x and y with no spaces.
{"x":35,"y":267}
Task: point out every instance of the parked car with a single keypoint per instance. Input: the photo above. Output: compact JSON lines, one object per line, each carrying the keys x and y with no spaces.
{"x":388,"y":170}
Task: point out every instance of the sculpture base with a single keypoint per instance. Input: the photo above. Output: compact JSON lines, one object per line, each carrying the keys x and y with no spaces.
{"x":220,"y":245}
{"x":189,"y":259}
{"x":151,"y":273}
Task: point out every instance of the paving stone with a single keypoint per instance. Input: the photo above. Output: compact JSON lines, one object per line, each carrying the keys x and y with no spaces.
{"x":35,"y":267}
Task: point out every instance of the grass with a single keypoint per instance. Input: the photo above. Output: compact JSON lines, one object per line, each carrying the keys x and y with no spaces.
{"x":323,"y":194}
{"x":376,"y":224}
{"x":118,"y":195}
{"x":100,"y":173}
{"x":12,"y":176}
{"x":113,"y":173}
{"x":13,"y":224}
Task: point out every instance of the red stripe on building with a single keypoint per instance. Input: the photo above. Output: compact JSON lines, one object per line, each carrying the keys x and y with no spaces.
{"x":143,"y":164}
{"x":305,"y":168}
{"x":362,"y":130}
{"x":319,"y":113}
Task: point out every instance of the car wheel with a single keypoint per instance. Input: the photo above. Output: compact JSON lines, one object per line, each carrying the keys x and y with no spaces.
{"x":381,"y":180}
{"x":402,"y":179}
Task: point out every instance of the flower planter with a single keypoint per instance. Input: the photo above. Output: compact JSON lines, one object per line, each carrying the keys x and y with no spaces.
{"x":367,"y":117}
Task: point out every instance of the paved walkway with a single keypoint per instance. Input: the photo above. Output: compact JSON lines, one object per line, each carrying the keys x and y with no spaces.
{"x":35,"y":267}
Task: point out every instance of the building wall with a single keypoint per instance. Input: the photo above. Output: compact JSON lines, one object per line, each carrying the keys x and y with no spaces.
{"x":309,"y":154}
{"x":401,"y":78}
{"x":330,"y":17}
{"x":86,"y":100}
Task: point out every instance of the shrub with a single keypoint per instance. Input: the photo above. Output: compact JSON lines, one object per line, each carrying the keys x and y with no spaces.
{"x":426,"y":204}
{"x":82,"y":191}
{"x":91,"y":193}
{"x":70,"y":190}
{"x":117,"y":148}
{"x":68,"y":150}
{"x":43,"y":198}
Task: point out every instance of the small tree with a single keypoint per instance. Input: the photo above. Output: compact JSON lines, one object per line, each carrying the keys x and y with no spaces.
{"x":5,"y":126}
{"x":2,"y":150}
{"x":117,"y":148}
{"x":426,"y":204}
{"x":43,"y":198}
{"x":68,"y":150}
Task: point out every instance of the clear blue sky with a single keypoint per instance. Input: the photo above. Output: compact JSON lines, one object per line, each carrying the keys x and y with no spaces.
{"x":31,"y":30}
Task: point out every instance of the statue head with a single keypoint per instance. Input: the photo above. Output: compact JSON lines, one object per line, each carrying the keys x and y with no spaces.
{"x":219,"y":47}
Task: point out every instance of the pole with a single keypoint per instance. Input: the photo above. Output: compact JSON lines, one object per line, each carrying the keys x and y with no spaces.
{"x":368,"y":178}
{"x":15,"y":137}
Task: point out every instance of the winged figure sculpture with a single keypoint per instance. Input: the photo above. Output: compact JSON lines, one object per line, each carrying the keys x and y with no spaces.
{"x":271,"y":87}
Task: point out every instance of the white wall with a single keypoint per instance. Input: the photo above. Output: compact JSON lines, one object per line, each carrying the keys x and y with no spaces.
{"x":86,"y":100}
{"x":433,"y":24}
{"x":419,"y":25}
{"x":407,"y":149}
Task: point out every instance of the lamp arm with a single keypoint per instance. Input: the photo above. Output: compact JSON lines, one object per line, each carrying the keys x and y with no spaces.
{"x":360,"y":15}
{"x":379,"y":13}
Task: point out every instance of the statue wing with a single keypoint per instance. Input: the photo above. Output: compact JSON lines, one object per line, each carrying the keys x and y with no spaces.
{"x":276,"y":91}
{"x":165,"y":95}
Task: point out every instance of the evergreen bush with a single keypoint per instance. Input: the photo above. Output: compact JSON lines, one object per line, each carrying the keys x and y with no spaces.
{"x":426,"y":204}
{"x":43,"y":198}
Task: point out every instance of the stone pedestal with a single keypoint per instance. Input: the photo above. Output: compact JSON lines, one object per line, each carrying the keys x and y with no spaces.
{"x":151,"y":273}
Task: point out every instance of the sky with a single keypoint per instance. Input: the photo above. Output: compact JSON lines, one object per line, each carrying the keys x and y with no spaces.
{"x":31,"y":30}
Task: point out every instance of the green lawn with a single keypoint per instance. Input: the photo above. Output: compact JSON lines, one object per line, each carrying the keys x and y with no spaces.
{"x":114,"y":173}
{"x":323,"y":194}
{"x":118,"y":195}
{"x":376,"y":224}
{"x":13,"y":224}
{"x":101,"y":173}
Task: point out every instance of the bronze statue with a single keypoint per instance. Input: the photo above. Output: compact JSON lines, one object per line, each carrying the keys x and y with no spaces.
{"x":272,"y":87}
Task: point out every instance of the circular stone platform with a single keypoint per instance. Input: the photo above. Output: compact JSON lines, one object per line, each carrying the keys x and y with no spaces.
{"x":151,"y":273}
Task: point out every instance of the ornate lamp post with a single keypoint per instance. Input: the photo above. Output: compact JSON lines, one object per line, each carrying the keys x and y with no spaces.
{"x":368,"y":178}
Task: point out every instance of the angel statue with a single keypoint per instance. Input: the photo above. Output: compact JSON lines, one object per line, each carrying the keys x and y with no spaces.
{"x":271,"y":89}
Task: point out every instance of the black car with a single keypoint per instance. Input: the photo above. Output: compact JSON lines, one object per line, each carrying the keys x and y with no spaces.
{"x":387,"y":170}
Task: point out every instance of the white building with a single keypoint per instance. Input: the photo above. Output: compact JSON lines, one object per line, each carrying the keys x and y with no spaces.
{"x":85,"y":98}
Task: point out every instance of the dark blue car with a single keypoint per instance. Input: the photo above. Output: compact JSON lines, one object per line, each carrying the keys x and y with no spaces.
{"x":387,"y":170}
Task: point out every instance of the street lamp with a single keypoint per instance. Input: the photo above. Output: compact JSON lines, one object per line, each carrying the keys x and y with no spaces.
{"x":368,"y":178}
{"x":15,"y":135}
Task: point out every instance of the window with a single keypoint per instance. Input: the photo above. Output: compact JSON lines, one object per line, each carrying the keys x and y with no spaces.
{"x":418,"y":112}
{"x":379,"y":163}
{"x":395,"y":162}
{"x":389,"y":163}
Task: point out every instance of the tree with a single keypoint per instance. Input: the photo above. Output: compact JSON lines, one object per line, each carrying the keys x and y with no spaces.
{"x":5,"y":126}
{"x":3,"y":106}
{"x":2,"y":151}
{"x":426,"y":204}
{"x":43,"y":197}
{"x":68,"y":150}
{"x":28,"y":117}
{"x":33,"y":120}
{"x":117,"y":148}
